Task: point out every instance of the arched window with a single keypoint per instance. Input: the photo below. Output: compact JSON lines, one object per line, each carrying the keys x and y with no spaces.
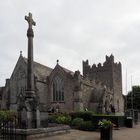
{"x":58,"y":89}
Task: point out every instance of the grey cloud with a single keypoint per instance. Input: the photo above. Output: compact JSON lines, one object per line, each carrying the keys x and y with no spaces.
{"x":71,"y":30}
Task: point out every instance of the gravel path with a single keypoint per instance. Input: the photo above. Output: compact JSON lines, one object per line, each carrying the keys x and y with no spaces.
{"x":121,"y":134}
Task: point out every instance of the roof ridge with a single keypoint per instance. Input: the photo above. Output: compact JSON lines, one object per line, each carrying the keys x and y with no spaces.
{"x":67,"y":70}
{"x":37,"y":63}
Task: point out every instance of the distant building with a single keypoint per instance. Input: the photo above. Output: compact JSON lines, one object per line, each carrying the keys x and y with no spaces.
{"x":99,"y":88}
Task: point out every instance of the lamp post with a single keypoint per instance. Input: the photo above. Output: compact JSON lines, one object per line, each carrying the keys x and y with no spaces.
{"x":132,"y":107}
{"x":126,"y":93}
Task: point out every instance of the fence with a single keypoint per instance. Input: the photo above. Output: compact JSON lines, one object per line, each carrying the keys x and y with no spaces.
{"x":9,"y":129}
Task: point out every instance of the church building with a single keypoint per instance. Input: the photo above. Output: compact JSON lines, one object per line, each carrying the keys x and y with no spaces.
{"x":98,"y":89}
{"x":34,"y":89}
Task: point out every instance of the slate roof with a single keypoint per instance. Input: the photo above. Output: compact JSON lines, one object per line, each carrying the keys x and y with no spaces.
{"x":67,"y":71}
{"x":40,"y":70}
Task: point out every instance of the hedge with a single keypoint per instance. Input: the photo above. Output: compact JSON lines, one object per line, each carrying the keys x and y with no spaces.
{"x":60,"y":119}
{"x":79,"y":120}
{"x":76,"y":122}
{"x":87,"y":126}
{"x":85,"y":115}
{"x":7,"y":115}
{"x":119,"y":121}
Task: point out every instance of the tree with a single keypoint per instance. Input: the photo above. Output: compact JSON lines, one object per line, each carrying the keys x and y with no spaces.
{"x":133,"y":98}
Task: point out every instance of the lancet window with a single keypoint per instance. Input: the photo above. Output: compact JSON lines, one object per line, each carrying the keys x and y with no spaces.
{"x":58,"y":89}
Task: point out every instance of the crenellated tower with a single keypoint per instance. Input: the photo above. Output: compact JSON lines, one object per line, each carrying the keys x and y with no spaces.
{"x":109,"y":73}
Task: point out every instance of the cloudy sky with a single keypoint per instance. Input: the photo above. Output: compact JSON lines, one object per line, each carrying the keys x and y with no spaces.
{"x":72,"y":31}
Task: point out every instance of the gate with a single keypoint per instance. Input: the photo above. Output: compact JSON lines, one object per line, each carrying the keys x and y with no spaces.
{"x":8,"y":129}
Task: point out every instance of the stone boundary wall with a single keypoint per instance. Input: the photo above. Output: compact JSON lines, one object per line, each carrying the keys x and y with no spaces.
{"x":31,"y":134}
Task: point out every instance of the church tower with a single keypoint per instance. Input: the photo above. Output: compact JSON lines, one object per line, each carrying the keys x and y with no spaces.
{"x":110,"y":74}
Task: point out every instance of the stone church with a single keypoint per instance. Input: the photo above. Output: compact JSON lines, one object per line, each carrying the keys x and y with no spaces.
{"x":99,"y":88}
{"x":34,"y":89}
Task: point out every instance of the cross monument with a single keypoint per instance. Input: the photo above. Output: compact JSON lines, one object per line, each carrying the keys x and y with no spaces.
{"x":32,"y":119}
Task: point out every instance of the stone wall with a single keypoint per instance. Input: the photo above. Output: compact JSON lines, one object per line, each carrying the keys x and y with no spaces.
{"x":77,"y":88}
{"x":5,"y":94}
{"x":17,"y":83}
{"x":102,"y":73}
{"x":86,"y":94}
{"x":67,"y":104}
{"x":109,"y":74}
{"x":41,"y":92}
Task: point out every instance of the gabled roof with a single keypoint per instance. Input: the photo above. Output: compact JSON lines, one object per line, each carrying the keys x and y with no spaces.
{"x":67,"y":71}
{"x":40,"y":70}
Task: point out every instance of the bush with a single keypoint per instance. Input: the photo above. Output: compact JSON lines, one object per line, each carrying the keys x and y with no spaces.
{"x":52,"y":118}
{"x":63,"y":119}
{"x":10,"y":115}
{"x":60,"y":119}
{"x":87,"y":126}
{"x":105,"y":123}
{"x":76,"y":122}
{"x":86,"y":115}
{"x":117,"y":120}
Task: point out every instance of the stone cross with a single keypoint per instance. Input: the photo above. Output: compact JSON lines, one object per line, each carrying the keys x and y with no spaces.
{"x":30,"y":20}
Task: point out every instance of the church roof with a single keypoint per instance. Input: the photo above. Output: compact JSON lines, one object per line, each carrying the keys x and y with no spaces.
{"x":67,"y":71}
{"x":40,"y":70}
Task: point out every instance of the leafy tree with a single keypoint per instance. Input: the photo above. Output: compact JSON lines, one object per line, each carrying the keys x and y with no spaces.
{"x":133,"y":98}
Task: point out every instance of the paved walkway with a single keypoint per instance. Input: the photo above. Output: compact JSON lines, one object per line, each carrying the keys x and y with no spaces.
{"x":122,"y":134}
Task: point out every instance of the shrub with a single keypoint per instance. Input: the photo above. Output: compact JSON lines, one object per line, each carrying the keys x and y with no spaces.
{"x":10,"y":115}
{"x":52,"y":118}
{"x":76,"y":122}
{"x":60,"y":118}
{"x":117,"y":120}
{"x":86,"y":115}
{"x":63,"y":119}
{"x":105,"y":123}
{"x":87,"y":126}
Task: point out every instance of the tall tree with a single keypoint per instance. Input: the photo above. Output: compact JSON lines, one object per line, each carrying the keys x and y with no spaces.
{"x":133,"y":98}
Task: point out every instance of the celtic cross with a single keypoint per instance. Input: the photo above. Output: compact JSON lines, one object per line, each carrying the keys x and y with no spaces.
{"x":30,"y":20}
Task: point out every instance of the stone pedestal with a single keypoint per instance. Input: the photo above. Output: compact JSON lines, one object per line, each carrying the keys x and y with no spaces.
{"x":78,"y":103}
{"x":38,"y":121}
{"x":32,"y":113}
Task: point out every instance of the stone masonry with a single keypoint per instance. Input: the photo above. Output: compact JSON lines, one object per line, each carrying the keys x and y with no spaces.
{"x":99,"y":88}
{"x":34,"y":89}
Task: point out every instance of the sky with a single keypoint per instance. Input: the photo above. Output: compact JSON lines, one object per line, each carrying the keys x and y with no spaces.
{"x":72,"y":31}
